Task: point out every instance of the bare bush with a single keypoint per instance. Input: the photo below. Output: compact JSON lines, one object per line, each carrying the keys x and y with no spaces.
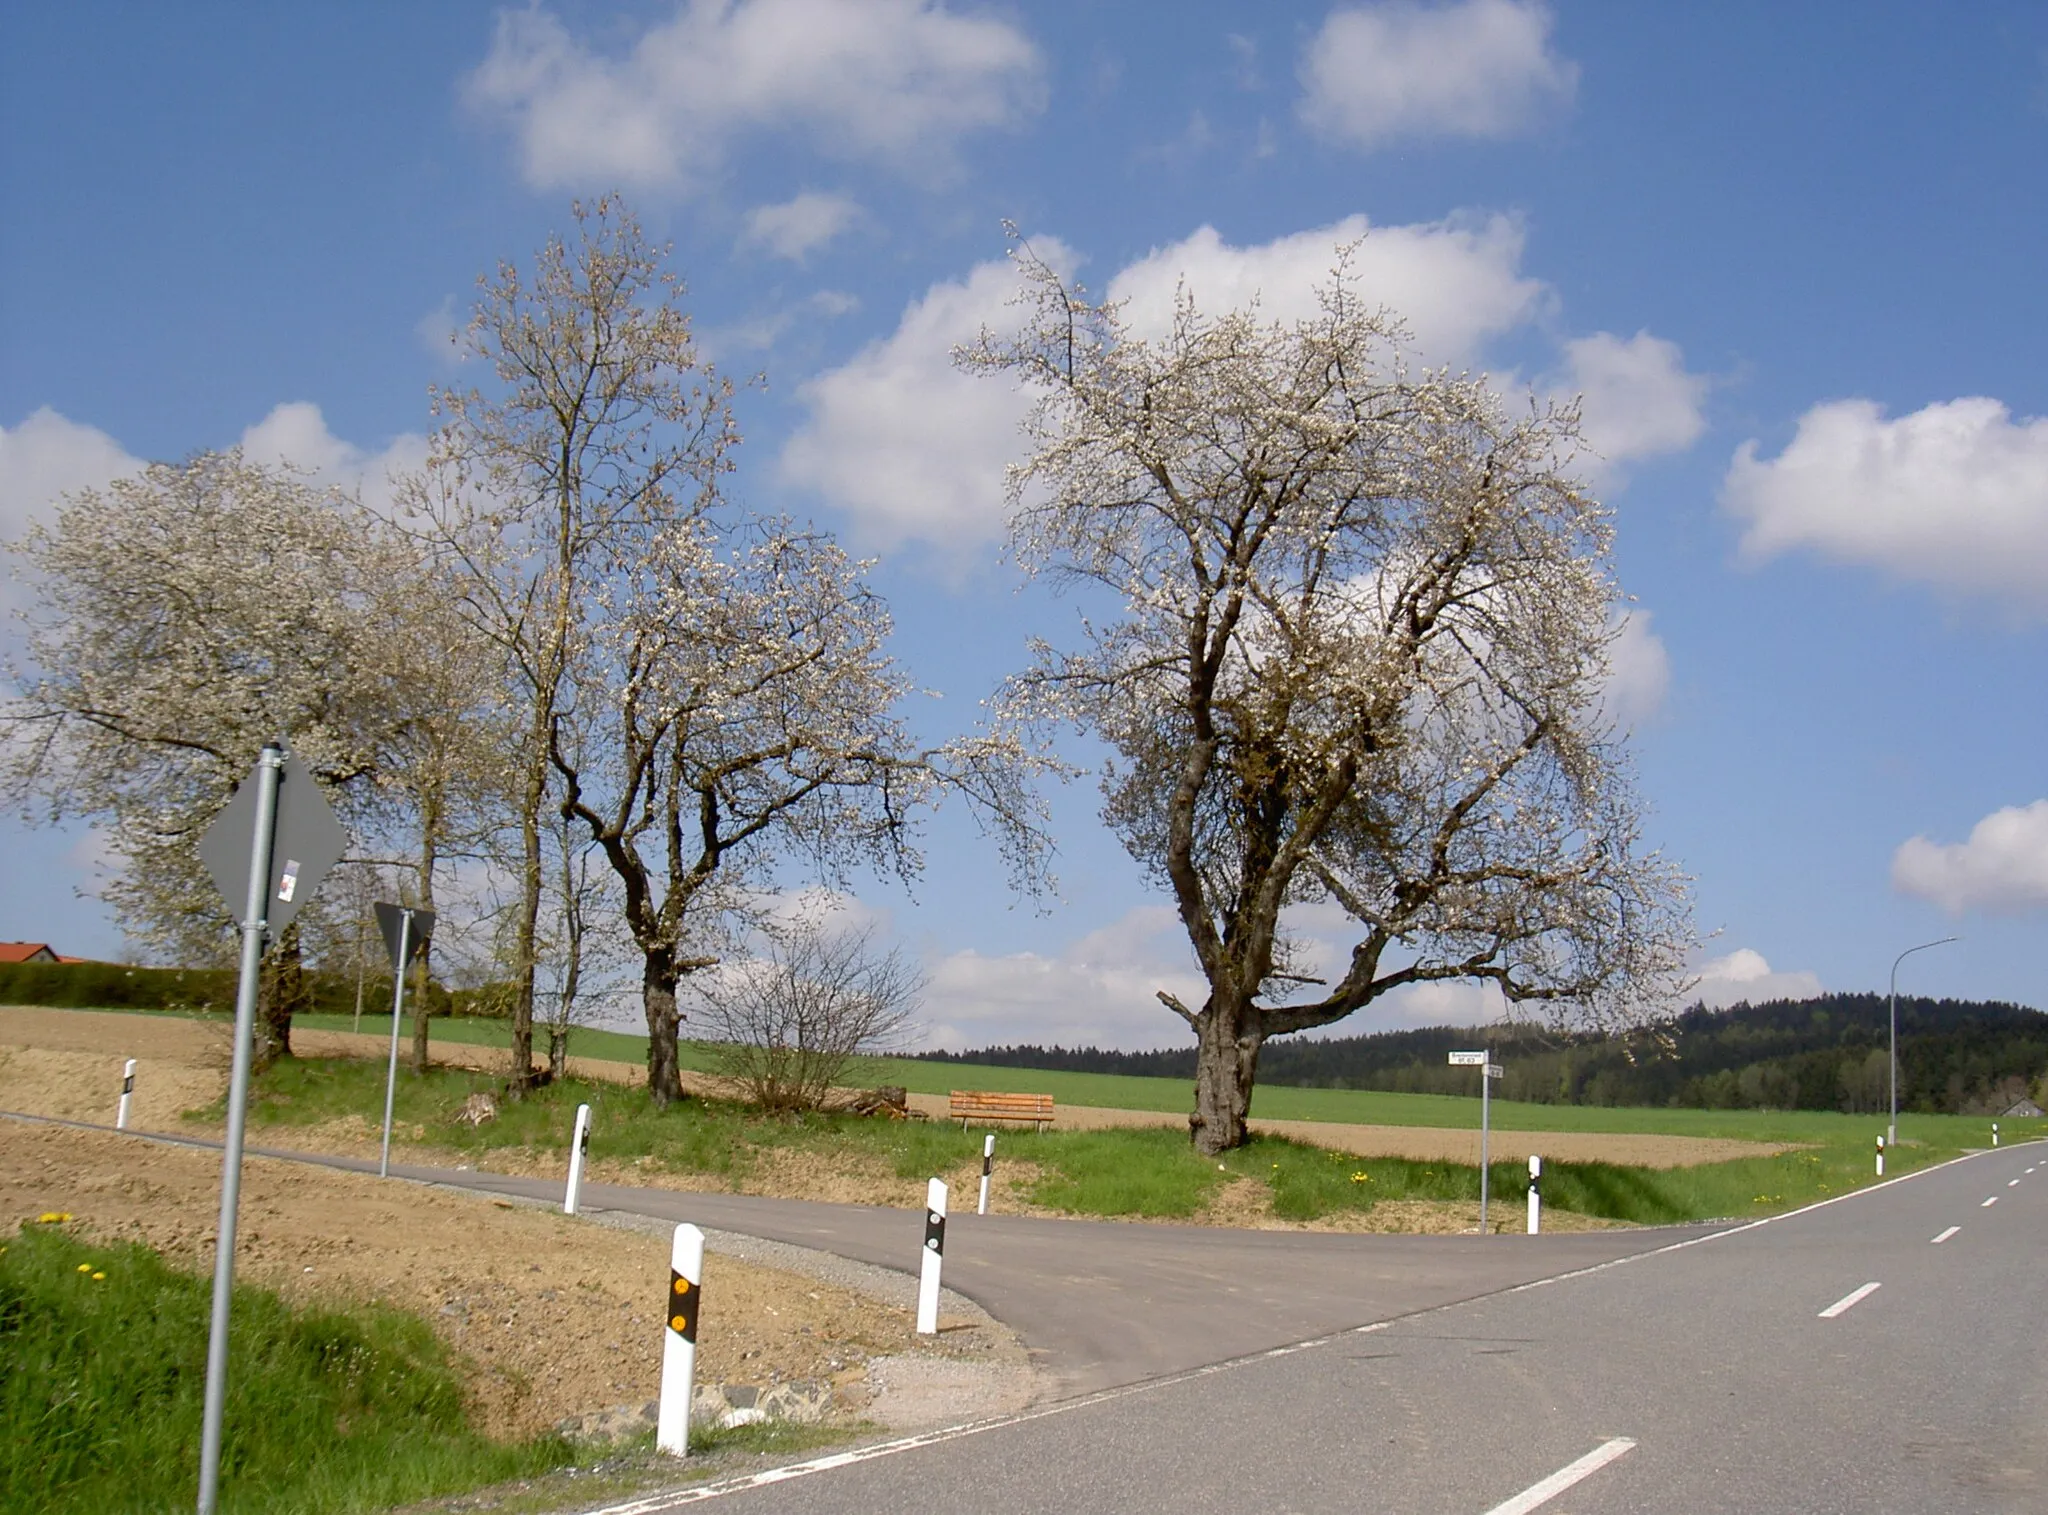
{"x":787,"y":1022}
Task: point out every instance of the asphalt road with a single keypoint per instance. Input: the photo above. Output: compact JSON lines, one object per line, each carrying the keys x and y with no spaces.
{"x":1106,"y":1303}
{"x":1747,"y":1370}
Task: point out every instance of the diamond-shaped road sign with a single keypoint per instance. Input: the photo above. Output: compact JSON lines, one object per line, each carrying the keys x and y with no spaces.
{"x":307,"y":842}
{"x":391,"y":921}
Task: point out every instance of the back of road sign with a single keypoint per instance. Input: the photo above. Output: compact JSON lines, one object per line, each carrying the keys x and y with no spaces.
{"x":309,"y":841}
{"x":391,"y":920}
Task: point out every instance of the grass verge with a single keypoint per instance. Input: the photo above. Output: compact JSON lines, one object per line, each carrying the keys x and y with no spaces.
{"x":1135,"y":1172}
{"x":101,"y":1397}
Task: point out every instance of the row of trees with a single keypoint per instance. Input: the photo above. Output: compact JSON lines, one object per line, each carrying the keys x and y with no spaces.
{"x":1348,"y":629}
{"x":1956,"y":1057}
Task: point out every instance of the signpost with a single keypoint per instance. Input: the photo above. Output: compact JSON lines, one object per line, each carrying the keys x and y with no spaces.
{"x":1488,"y":1072}
{"x":406,"y":933}
{"x":267,"y":850}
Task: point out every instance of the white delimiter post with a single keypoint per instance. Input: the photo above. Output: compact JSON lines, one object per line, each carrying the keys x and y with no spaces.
{"x":1535,"y":1195}
{"x":988,"y":1163}
{"x":679,"y":1340}
{"x":1880,"y":1157}
{"x":1994,"y":1133}
{"x":128,"y":1093}
{"x":578,"y":1146}
{"x":934,"y":1254}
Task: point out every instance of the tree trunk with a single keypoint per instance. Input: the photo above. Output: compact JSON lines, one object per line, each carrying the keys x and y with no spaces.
{"x":430,"y":850}
{"x":526,"y":947}
{"x":658,"y":997}
{"x":421,"y":1012}
{"x":1226,"y":1064}
{"x":281,"y":993}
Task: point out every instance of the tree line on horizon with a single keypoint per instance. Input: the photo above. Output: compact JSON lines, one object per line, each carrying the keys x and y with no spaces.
{"x":1956,"y":1057}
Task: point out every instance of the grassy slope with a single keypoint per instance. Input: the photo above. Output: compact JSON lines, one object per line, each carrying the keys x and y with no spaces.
{"x":328,"y":1410}
{"x":1131,"y":1172}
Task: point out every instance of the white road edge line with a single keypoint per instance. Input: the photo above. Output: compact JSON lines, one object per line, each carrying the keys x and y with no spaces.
{"x":1542,"y":1493}
{"x":1946,"y":1235}
{"x":1849,"y":1301}
{"x":2012,"y":1183}
{"x":1989,"y":1203}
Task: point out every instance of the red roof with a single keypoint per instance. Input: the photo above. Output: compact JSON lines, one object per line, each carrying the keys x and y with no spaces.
{"x":27,"y":952}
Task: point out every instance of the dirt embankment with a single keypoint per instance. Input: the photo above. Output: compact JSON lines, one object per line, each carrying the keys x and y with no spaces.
{"x":548,"y":1317}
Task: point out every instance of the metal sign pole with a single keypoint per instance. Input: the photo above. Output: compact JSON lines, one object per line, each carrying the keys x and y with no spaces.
{"x":1485,"y":1131}
{"x":238,"y":1108}
{"x":397,"y":1011}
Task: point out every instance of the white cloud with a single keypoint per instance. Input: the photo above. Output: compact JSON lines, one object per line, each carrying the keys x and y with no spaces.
{"x":906,"y":443}
{"x":2002,"y":869}
{"x":1454,"y":282}
{"x":1099,"y":992}
{"x":1637,"y":400}
{"x":893,"y":81}
{"x":1481,"y":68}
{"x":914,"y":449}
{"x":1954,"y":495}
{"x":798,"y":227}
{"x":1638,"y":671}
{"x":1744,"y":977}
{"x":296,"y":433}
{"x":47,"y":456}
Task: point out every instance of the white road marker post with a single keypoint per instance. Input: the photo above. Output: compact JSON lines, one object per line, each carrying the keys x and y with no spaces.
{"x":1994,"y":1133}
{"x":679,"y":1340}
{"x":578,"y":1149}
{"x":988,"y":1164}
{"x":127,"y":1093}
{"x":1535,"y":1195}
{"x":1880,"y":1157}
{"x":934,"y":1255}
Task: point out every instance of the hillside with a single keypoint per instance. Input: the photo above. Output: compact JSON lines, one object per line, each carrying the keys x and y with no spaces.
{"x":1956,"y":1057}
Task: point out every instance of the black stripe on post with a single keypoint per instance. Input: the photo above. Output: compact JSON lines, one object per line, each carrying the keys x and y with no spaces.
{"x":128,"y":1084}
{"x":684,"y":1300}
{"x":935,"y":1232}
{"x":988,"y":1163}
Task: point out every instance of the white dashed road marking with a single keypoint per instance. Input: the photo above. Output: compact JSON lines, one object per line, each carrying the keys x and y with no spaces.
{"x":1848,"y":1301}
{"x":1989,"y":1203}
{"x":1946,"y":1235}
{"x":1542,"y":1493}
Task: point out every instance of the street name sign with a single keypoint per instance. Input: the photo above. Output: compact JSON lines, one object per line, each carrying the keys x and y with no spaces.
{"x":1468,"y":1059}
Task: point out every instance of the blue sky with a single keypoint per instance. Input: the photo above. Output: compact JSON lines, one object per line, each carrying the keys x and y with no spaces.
{"x":1792,"y":257}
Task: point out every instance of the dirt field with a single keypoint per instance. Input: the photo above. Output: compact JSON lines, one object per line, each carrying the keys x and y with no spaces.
{"x":550,"y":1318}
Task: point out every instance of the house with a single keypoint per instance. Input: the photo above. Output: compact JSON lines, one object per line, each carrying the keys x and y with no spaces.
{"x":28,"y":952}
{"x":2026,"y":1109}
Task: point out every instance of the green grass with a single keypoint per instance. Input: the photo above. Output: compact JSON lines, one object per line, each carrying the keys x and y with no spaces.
{"x":1132,"y":1172}
{"x":102,"y":1371}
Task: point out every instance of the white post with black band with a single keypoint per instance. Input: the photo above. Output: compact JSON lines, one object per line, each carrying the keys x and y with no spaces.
{"x":934,"y":1255}
{"x":679,"y":1340}
{"x":1535,"y":1195}
{"x":127,"y":1093}
{"x":1880,"y":1157}
{"x":579,"y":1147}
{"x":988,"y":1163}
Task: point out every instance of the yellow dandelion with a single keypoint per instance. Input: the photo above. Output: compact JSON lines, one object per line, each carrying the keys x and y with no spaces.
{"x":53,"y":1217}
{"x":99,"y":1277}
{"x":85,"y":1267}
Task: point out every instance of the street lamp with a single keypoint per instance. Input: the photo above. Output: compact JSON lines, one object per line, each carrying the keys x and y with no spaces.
{"x":1892,"y":1132}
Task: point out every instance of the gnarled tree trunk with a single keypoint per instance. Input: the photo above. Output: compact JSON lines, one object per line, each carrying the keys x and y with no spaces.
{"x":658,"y":998}
{"x":1226,"y":1064}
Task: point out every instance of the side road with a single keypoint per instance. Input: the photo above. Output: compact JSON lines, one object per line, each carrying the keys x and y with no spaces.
{"x":1104,"y":1303}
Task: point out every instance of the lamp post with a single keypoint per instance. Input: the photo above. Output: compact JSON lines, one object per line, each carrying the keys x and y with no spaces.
{"x":1892,"y":1131}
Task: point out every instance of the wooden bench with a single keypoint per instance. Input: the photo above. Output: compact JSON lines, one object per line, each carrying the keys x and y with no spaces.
{"x":966,"y":1105}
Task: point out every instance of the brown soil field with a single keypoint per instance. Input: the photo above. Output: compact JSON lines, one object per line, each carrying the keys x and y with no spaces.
{"x":547,"y":1317}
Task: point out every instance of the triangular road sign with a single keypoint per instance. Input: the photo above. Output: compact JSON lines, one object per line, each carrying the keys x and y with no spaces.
{"x":391,"y":921}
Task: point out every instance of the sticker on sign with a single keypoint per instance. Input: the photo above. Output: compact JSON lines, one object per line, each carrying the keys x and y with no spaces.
{"x":1468,"y":1059}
